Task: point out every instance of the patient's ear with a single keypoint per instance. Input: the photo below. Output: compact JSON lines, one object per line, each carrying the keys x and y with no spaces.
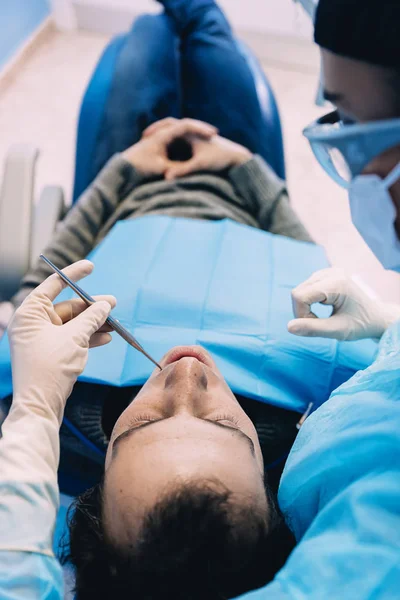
{"x":180,"y":150}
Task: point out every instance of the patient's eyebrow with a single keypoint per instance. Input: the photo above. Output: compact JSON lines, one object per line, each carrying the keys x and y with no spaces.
{"x":238,"y":432}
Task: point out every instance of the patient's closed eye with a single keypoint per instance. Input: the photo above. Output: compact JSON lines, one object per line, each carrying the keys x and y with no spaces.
{"x":233,"y":421}
{"x":140,"y":420}
{"x":143,"y":420}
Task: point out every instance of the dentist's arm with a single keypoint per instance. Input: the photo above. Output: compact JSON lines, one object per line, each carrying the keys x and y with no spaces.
{"x":49,"y":347}
{"x":355,"y":315}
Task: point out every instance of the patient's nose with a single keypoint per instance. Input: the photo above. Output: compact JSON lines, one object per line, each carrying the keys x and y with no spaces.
{"x":187,"y":376}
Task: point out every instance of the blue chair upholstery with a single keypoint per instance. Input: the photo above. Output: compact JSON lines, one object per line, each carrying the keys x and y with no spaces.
{"x":269,"y":108}
{"x":91,"y":113}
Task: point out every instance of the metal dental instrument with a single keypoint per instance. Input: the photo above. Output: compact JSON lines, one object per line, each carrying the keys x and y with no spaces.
{"x":113,"y":323}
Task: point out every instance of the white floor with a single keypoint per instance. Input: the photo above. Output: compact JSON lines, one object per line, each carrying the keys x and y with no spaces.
{"x":40,"y":105}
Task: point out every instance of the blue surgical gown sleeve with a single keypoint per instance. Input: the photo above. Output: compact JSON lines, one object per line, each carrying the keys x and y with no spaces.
{"x":29,"y":498}
{"x":340,"y":492}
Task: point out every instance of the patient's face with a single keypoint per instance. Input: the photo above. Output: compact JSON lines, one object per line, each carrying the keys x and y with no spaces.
{"x":184,"y":425}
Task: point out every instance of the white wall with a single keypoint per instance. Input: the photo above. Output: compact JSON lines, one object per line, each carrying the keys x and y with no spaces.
{"x":277,"y":16}
{"x":266,"y":16}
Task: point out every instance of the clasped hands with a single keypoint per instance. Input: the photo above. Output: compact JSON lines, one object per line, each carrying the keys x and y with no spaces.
{"x":209,"y":151}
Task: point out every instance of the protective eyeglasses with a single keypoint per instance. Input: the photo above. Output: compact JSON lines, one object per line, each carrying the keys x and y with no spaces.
{"x":345,"y":150}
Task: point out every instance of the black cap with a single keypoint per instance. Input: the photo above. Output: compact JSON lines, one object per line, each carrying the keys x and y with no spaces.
{"x":367,"y":30}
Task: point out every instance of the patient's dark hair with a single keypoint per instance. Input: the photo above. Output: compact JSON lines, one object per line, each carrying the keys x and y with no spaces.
{"x":195,"y":544}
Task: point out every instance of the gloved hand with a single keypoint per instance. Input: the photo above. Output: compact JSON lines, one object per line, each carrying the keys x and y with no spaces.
{"x":49,"y":345}
{"x":355,"y":315}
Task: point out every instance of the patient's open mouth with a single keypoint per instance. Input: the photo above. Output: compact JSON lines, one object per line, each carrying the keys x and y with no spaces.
{"x":188,"y":351}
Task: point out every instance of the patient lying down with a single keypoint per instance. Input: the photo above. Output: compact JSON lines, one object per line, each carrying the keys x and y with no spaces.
{"x":184,"y":510}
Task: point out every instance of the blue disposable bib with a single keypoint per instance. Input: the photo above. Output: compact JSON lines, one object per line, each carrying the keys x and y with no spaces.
{"x":220,"y":284}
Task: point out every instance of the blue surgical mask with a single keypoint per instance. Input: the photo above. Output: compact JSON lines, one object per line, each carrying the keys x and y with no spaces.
{"x":374,"y":215}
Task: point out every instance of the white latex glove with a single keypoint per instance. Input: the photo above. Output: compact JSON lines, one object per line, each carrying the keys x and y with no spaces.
{"x":49,"y":348}
{"x":355,"y":316}
{"x":49,"y":345}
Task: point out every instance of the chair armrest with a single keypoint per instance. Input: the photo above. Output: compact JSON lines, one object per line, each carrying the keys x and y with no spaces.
{"x":48,"y":212}
{"x":16,"y":202}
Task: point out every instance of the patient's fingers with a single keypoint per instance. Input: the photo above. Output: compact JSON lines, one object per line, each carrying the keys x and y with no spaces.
{"x":180,"y":169}
{"x":69,"y":309}
{"x":159,"y":125}
{"x":186,"y":125}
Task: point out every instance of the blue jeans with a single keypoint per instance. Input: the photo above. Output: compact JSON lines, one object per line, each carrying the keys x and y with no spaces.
{"x":185,"y":62}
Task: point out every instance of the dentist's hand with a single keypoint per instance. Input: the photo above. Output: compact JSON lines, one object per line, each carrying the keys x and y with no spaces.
{"x":355,"y":314}
{"x":49,"y":344}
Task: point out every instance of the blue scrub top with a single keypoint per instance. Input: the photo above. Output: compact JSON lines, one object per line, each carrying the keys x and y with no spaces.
{"x":341,"y":491}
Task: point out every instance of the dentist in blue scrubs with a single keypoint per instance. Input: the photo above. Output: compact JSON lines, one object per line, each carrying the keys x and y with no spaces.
{"x":341,"y":486}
